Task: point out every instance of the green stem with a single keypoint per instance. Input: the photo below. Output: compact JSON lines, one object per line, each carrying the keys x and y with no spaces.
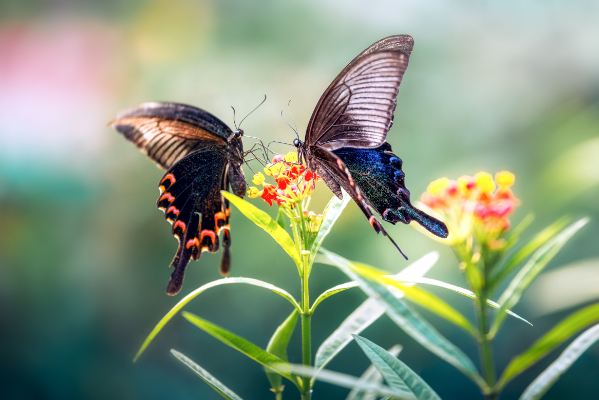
{"x":486,"y":350}
{"x":306,"y":336}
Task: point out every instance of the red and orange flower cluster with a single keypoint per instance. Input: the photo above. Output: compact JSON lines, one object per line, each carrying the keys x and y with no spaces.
{"x":473,"y":199}
{"x":293,"y":182}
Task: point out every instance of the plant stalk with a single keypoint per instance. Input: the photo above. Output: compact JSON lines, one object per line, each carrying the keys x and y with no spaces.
{"x":486,"y":350}
{"x":306,"y":333}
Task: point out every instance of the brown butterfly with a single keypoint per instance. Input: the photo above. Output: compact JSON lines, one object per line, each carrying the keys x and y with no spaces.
{"x":202,"y":156}
{"x":345,"y":140}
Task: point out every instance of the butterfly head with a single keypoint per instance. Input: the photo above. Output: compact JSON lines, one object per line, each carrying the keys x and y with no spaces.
{"x":297,"y":143}
{"x":238,"y":133}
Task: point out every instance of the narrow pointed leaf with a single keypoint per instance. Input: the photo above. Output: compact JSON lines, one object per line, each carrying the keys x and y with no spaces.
{"x":190,"y":296}
{"x":515,"y":232}
{"x":332,"y":291}
{"x":205,"y":375}
{"x":371,"y":375}
{"x":531,"y":270}
{"x":505,"y":268}
{"x":243,"y":346}
{"x":367,"y":313}
{"x":264,"y":221}
{"x":332,"y":211}
{"x":349,"y":381}
{"x":420,"y":297}
{"x":457,"y":289}
{"x":410,"y":321}
{"x":543,"y":382}
{"x":556,"y":336}
{"x":397,"y":374}
{"x":277,"y":346}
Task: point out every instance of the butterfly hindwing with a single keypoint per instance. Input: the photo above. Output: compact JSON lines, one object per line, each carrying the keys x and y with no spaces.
{"x":167,"y":132}
{"x":379,"y":175}
{"x":192,"y":202}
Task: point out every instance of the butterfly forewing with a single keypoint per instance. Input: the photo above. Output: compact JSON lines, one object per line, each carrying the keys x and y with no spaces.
{"x":403,"y":43}
{"x":167,"y":132}
{"x":357,"y":109}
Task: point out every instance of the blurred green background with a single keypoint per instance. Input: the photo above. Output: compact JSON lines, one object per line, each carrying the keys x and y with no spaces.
{"x":491,"y":86}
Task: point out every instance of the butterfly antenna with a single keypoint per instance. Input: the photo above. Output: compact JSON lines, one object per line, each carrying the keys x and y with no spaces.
{"x":293,"y":119}
{"x":252,"y":111}
{"x":234,"y":124}
{"x":293,"y":129}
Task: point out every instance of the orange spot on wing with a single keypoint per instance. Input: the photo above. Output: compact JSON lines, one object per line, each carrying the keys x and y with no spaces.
{"x":173,"y":209}
{"x":227,"y":212}
{"x":181,"y":224}
{"x":219,"y":216}
{"x":340,"y":163}
{"x":168,"y":196}
{"x":209,"y":233}
{"x":170,"y":177}
{"x":193,"y":242}
{"x":372,"y":221}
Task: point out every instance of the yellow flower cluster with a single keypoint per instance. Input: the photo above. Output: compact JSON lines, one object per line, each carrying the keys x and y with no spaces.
{"x":469,"y":200}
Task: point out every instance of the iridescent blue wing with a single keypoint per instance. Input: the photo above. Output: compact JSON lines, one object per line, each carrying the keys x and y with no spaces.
{"x":191,"y":200}
{"x":167,"y":132}
{"x":378,"y":173}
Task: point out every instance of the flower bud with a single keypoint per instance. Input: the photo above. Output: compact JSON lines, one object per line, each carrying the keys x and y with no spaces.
{"x":485,"y":182}
{"x":291,"y":157}
{"x":258,"y":179}
{"x":505,"y":179}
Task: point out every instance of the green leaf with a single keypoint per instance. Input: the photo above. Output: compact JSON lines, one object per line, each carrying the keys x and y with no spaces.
{"x":190,"y":296}
{"x":397,"y":374}
{"x":556,"y":336}
{"x":281,"y":218}
{"x":371,"y":375}
{"x":531,"y":270}
{"x":543,"y":382}
{"x":457,"y":289}
{"x":410,"y":321}
{"x":277,"y":346}
{"x":419,"y":296}
{"x":348,"y":381}
{"x":264,"y":221}
{"x":332,"y":211}
{"x":515,"y":232}
{"x":367,"y":313}
{"x":332,"y":291}
{"x":205,"y":375}
{"x":499,"y":273}
{"x":242,"y":345}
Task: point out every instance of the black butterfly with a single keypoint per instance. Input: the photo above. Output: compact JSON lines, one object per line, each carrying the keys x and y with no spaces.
{"x":345,"y":139}
{"x":202,"y":156}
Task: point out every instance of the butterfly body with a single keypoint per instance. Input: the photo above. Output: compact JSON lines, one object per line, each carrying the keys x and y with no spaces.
{"x":346,"y":136}
{"x":202,"y":156}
